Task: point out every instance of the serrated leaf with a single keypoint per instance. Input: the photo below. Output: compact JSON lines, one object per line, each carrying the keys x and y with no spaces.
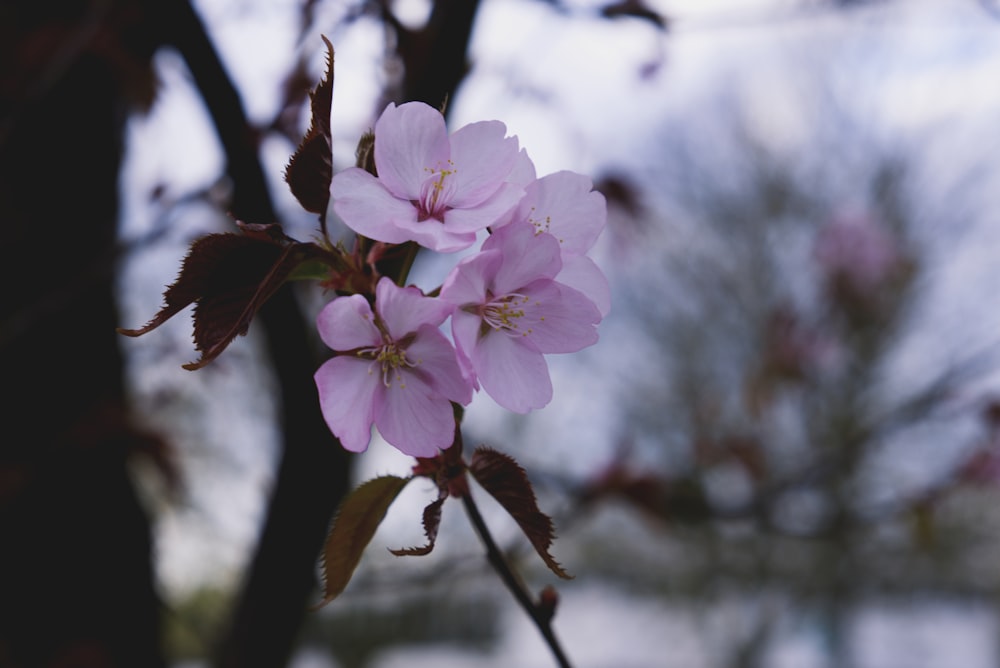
{"x":310,"y":168}
{"x":359,"y":516}
{"x":432,"y":521}
{"x":507,"y":482}
{"x":229,"y":276}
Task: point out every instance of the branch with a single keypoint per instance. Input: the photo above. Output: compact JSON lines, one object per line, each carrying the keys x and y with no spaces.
{"x":540,"y":615}
{"x":314,"y":471}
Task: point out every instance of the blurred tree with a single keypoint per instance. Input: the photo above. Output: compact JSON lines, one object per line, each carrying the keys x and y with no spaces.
{"x":773,"y":415}
{"x":77,"y":580}
{"x":75,"y":569}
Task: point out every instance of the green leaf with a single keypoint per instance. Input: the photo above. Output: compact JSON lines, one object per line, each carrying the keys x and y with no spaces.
{"x":359,"y":516}
{"x":507,"y":482}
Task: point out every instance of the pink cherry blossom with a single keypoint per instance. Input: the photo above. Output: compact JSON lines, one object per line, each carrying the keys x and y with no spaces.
{"x":510,"y":311}
{"x":394,"y":369}
{"x":565,"y":205}
{"x":432,"y":188}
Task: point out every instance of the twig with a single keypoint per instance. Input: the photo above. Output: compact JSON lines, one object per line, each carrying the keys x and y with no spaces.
{"x":540,"y":617}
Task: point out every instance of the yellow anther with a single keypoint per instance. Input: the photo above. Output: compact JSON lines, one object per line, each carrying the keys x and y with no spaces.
{"x":502,"y":314}
{"x":390,"y":358}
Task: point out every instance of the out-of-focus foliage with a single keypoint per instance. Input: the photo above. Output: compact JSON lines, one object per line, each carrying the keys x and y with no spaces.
{"x":804,"y":425}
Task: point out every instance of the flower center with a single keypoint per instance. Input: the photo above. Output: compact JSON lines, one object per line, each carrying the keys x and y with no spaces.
{"x":391,"y":357}
{"x":503,"y":314}
{"x":435,"y":193}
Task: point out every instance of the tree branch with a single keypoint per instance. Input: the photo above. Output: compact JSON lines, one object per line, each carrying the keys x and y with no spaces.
{"x":314,"y":472}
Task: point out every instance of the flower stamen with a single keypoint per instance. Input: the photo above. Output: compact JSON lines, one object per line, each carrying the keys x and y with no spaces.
{"x":503,"y":314}
{"x":391,"y":358}
{"x":433,"y":199}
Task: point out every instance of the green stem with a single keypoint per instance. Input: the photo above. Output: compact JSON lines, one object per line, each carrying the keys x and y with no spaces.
{"x":407,"y":263}
{"x":496,"y":558}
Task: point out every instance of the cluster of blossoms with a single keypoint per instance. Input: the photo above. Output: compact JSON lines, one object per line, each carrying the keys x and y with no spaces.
{"x":531,"y":290}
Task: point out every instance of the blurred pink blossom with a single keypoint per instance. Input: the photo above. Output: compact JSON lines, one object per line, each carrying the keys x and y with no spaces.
{"x":857,"y":254}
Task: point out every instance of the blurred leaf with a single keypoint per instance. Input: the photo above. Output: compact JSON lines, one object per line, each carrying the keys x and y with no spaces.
{"x":432,"y":520}
{"x":635,"y":9}
{"x":228,"y":277}
{"x":680,"y":499}
{"x":365,"y":153}
{"x":310,"y":168}
{"x":507,"y":482}
{"x":357,"y":520}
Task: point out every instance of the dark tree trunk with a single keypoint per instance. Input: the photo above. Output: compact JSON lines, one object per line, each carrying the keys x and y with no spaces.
{"x":76,"y":578}
{"x":75,"y":570}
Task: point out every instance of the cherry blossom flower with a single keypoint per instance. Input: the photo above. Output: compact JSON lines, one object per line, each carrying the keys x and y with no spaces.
{"x":565,"y":205}
{"x":510,"y":311}
{"x":395,"y":369}
{"x":432,"y":188}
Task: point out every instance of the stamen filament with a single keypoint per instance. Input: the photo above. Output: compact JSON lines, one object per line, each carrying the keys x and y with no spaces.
{"x":502,"y":314}
{"x":389,"y":357}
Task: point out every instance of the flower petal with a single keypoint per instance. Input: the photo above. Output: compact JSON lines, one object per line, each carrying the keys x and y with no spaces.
{"x":523,"y":172}
{"x":468,"y":282}
{"x":346,"y":323}
{"x":347,"y":396}
{"x":581,"y":273}
{"x":526,"y":257}
{"x":516,"y":376}
{"x":415,"y":418}
{"x":465,"y":332}
{"x":436,"y":361}
{"x":487,"y":213}
{"x":409,"y":139}
{"x":483,"y":158}
{"x":565,"y":205}
{"x":405,"y":310}
{"x":436,"y":236}
{"x":557,"y":319}
{"x":368,"y":208}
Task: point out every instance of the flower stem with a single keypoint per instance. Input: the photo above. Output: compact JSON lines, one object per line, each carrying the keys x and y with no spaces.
{"x":404,"y":271}
{"x":541,"y":618}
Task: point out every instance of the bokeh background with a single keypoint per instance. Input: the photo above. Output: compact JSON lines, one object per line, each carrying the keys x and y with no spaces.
{"x":784,"y":451}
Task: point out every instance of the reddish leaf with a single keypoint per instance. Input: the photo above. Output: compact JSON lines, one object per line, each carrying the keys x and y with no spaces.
{"x":229,"y":277}
{"x":310,"y":168}
{"x":507,"y":482}
{"x":432,"y":520}
{"x":357,"y":519}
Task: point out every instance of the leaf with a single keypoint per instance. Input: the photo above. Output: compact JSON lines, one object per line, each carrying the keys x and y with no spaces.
{"x":365,"y":153}
{"x":357,"y":519}
{"x":229,"y":276}
{"x":507,"y":482}
{"x":636,"y":9}
{"x":310,"y":169}
{"x":432,"y":520}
